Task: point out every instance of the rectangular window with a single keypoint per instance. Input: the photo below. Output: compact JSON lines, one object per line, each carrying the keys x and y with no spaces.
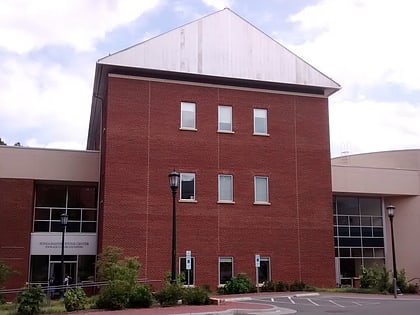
{"x":187,"y":186}
{"x":264,"y":272}
{"x":225,"y":269}
{"x":226,"y":188}
{"x":189,"y":276}
{"x":261,"y":189}
{"x":260,"y":121}
{"x":225,"y":118}
{"x":187,"y":115}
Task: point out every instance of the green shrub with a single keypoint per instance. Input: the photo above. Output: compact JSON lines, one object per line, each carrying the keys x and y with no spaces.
{"x":114,"y":296}
{"x":297,"y":286}
{"x":382,"y":282}
{"x":140,"y":297}
{"x":170,"y":294}
{"x":268,"y":286}
{"x":196,"y":296}
{"x":282,"y":286}
{"x":75,"y":299}
{"x":412,"y":288}
{"x":30,"y":300}
{"x":402,"y":281}
{"x":239,"y":284}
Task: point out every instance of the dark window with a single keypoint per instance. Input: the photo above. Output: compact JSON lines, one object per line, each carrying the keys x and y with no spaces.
{"x":349,"y":242}
{"x":373,"y":242}
{"x":39,"y":268}
{"x":225,"y":269}
{"x":50,"y":196}
{"x":82,"y":197}
{"x":347,"y":205}
{"x":264,"y":270}
{"x":86,"y":267}
{"x":354,"y":231}
{"x":189,"y":277}
{"x":343,"y":231}
{"x":188,"y":186}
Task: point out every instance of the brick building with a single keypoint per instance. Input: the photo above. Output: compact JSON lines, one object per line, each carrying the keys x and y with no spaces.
{"x":240,"y":117}
{"x":245,"y":122}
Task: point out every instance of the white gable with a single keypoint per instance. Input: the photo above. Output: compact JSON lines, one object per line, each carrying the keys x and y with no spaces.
{"x":223,"y":45}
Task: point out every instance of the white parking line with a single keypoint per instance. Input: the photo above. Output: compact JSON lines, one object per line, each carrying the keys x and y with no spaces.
{"x":291,"y":300}
{"x":316,"y":304}
{"x":339,"y":305}
{"x":357,"y":303}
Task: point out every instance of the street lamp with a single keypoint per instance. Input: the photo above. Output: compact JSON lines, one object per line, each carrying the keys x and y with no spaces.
{"x":391,"y":209}
{"x":64,"y":218}
{"x":173,"y":183}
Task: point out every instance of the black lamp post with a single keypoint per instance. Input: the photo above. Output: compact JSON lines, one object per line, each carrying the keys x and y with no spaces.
{"x":63,"y":220}
{"x":391,"y":209}
{"x":173,"y":183}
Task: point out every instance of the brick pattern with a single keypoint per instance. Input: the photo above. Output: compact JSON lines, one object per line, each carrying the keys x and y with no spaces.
{"x":16,"y":204}
{"x":143,"y":144}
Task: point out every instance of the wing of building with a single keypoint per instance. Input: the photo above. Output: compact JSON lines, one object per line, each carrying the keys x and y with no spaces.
{"x":244,"y":121}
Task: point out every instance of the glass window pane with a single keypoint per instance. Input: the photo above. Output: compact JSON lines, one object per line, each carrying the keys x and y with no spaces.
{"x":42,"y":214}
{"x":343,"y":220}
{"x":86,"y":268}
{"x":188,"y":186}
{"x":365,"y":221}
{"x":225,"y":269}
{"x":50,"y":196}
{"x":344,"y":252}
{"x":354,"y":220}
{"x":73,"y":227}
{"x":370,"y":206}
{"x":189,"y":278}
{"x":187,"y":115}
{"x":39,"y":268}
{"x":377,"y":221}
{"x":260,"y":121}
{"x":56,"y":226}
{"x":56,"y":214}
{"x":89,"y":215}
{"x":343,"y":231}
{"x":264,"y":270}
{"x":89,"y":227}
{"x":347,"y":205}
{"x":225,"y":118}
{"x":378,"y":232}
{"x":366,"y":231}
{"x":261,"y":189}
{"x":350,"y":241}
{"x":373,"y":242}
{"x":356,"y":252}
{"x":82,"y":197}
{"x":355,"y":231}
{"x":74,"y":215}
{"x":367,"y":252}
{"x":379,"y":252}
{"x":225,"y":187}
{"x":41,"y":226}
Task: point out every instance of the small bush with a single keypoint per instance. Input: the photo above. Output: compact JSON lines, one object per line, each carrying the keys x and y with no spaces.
{"x":297,"y":286}
{"x":75,"y":299}
{"x":282,"y":286}
{"x":114,"y":296}
{"x":170,"y":294}
{"x":30,"y":300}
{"x":140,"y":297}
{"x":196,"y":296}
{"x":268,"y":286}
{"x":402,"y":281}
{"x":412,"y":288}
{"x":239,"y":284}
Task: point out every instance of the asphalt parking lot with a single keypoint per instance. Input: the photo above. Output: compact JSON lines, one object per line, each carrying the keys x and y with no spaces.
{"x":325,"y":303}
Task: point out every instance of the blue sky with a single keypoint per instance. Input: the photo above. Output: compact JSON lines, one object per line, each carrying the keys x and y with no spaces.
{"x":48,"y":51}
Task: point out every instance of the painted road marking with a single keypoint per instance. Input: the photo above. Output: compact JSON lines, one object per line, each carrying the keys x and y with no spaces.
{"x":339,"y":305}
{"x":291,"y":300}
{"x":313,"y":302}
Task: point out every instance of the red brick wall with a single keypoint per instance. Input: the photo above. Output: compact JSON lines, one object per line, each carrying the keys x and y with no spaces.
{"x":16,"y":204}
{"x":144,"y":143}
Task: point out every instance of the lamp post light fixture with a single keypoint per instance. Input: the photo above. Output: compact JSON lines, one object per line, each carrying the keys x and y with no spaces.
{"x":391,"y":210}
{"x":64,"y":218}
{"x":173,"y":183}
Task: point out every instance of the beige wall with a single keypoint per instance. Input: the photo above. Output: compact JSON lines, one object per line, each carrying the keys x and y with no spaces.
{"x":49,"y":164}
{"x":395,"y":175}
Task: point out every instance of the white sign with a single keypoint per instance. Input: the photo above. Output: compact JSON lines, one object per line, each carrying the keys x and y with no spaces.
{"x":188,"y":260}
{"x":74,"y":244}
{"x":257,"y":261}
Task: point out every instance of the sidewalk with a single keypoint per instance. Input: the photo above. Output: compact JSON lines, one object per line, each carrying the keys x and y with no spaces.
{"x":226,"y":306}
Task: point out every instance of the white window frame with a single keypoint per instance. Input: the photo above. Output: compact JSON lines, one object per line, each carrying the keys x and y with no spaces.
{"x":184,"y":106}
{"x":219,"y":188}
{"x":258,"y":111}
{"x":219,"y":121}
{"x":180,"y":187}
{"x":192,"y":271}
{"x":224,"y":259}
{"x":267,"y":199}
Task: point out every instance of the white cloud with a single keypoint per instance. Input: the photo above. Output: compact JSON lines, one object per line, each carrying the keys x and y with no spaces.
{"x":368,"y":47}
{"x":363,"y":43}
{"x":27,"y":25}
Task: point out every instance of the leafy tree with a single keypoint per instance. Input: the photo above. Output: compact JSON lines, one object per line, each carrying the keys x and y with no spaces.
{"x":2,"y":142}
{"x":5,"y":271}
